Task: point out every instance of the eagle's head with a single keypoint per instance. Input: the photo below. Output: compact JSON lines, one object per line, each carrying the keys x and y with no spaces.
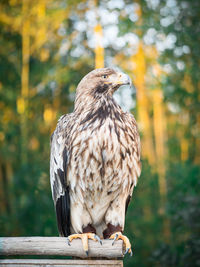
{"x":98,"y":84}
{"x":101,"y":82}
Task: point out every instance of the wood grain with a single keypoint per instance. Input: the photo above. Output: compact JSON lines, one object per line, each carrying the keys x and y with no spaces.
{"x":61,"y":263}
{"x":58,"y":246}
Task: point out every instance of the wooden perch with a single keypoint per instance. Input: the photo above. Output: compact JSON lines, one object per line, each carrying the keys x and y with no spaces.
{"x":60,"y":263}
{"x":58,"y":246}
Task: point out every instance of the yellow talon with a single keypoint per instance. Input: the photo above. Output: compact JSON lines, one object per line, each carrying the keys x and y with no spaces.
{"x":84,"y":238}
{"x":117,"y":236}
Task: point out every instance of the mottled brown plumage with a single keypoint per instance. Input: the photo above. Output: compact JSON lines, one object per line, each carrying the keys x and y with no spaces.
{"x":95,"y":158}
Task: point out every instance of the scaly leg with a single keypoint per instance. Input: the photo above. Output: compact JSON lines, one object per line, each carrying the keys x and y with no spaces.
{"x":118,"y":235}
{"x":84,"y":237}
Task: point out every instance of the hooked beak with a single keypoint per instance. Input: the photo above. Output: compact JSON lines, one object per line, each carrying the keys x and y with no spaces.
{"x":123,"y":79}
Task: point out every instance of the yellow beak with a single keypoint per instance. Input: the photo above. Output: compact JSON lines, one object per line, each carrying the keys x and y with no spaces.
{"x":122,"y":79}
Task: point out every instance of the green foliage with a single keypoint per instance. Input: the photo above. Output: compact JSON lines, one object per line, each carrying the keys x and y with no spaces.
{"x":184,"y":212}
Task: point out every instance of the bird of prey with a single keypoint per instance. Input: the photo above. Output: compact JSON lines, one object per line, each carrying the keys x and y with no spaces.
{"x":95,"y":161}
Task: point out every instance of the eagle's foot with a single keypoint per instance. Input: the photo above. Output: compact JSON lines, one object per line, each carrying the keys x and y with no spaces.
{"x":84,"y":237}
{"x":118,"y":235}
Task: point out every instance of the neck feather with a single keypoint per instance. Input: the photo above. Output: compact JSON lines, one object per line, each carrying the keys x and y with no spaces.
{"x":87,"y":103}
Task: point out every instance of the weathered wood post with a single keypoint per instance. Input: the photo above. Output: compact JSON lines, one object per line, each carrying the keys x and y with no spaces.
{"x":100,"y":255}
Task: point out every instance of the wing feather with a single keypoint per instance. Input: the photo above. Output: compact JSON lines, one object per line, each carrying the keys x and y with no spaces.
{"x":136,"y":156}
{"x":58,"y":178}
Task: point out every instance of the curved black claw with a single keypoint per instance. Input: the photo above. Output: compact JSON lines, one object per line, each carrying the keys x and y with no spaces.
{"x":131,"y":253}
{"x":126,"y":251}
{"x":98,"y":239}
{"x":68,"y":242}
{"x":116,"y":236}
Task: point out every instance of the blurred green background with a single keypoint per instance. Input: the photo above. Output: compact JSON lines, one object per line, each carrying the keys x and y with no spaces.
{"x":46,"y":47}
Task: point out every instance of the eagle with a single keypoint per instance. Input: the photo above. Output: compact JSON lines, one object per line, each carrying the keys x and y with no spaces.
{"x":95,"y":162}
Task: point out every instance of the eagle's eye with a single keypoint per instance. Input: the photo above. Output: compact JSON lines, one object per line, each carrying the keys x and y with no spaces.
{"x":105,"y":76}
